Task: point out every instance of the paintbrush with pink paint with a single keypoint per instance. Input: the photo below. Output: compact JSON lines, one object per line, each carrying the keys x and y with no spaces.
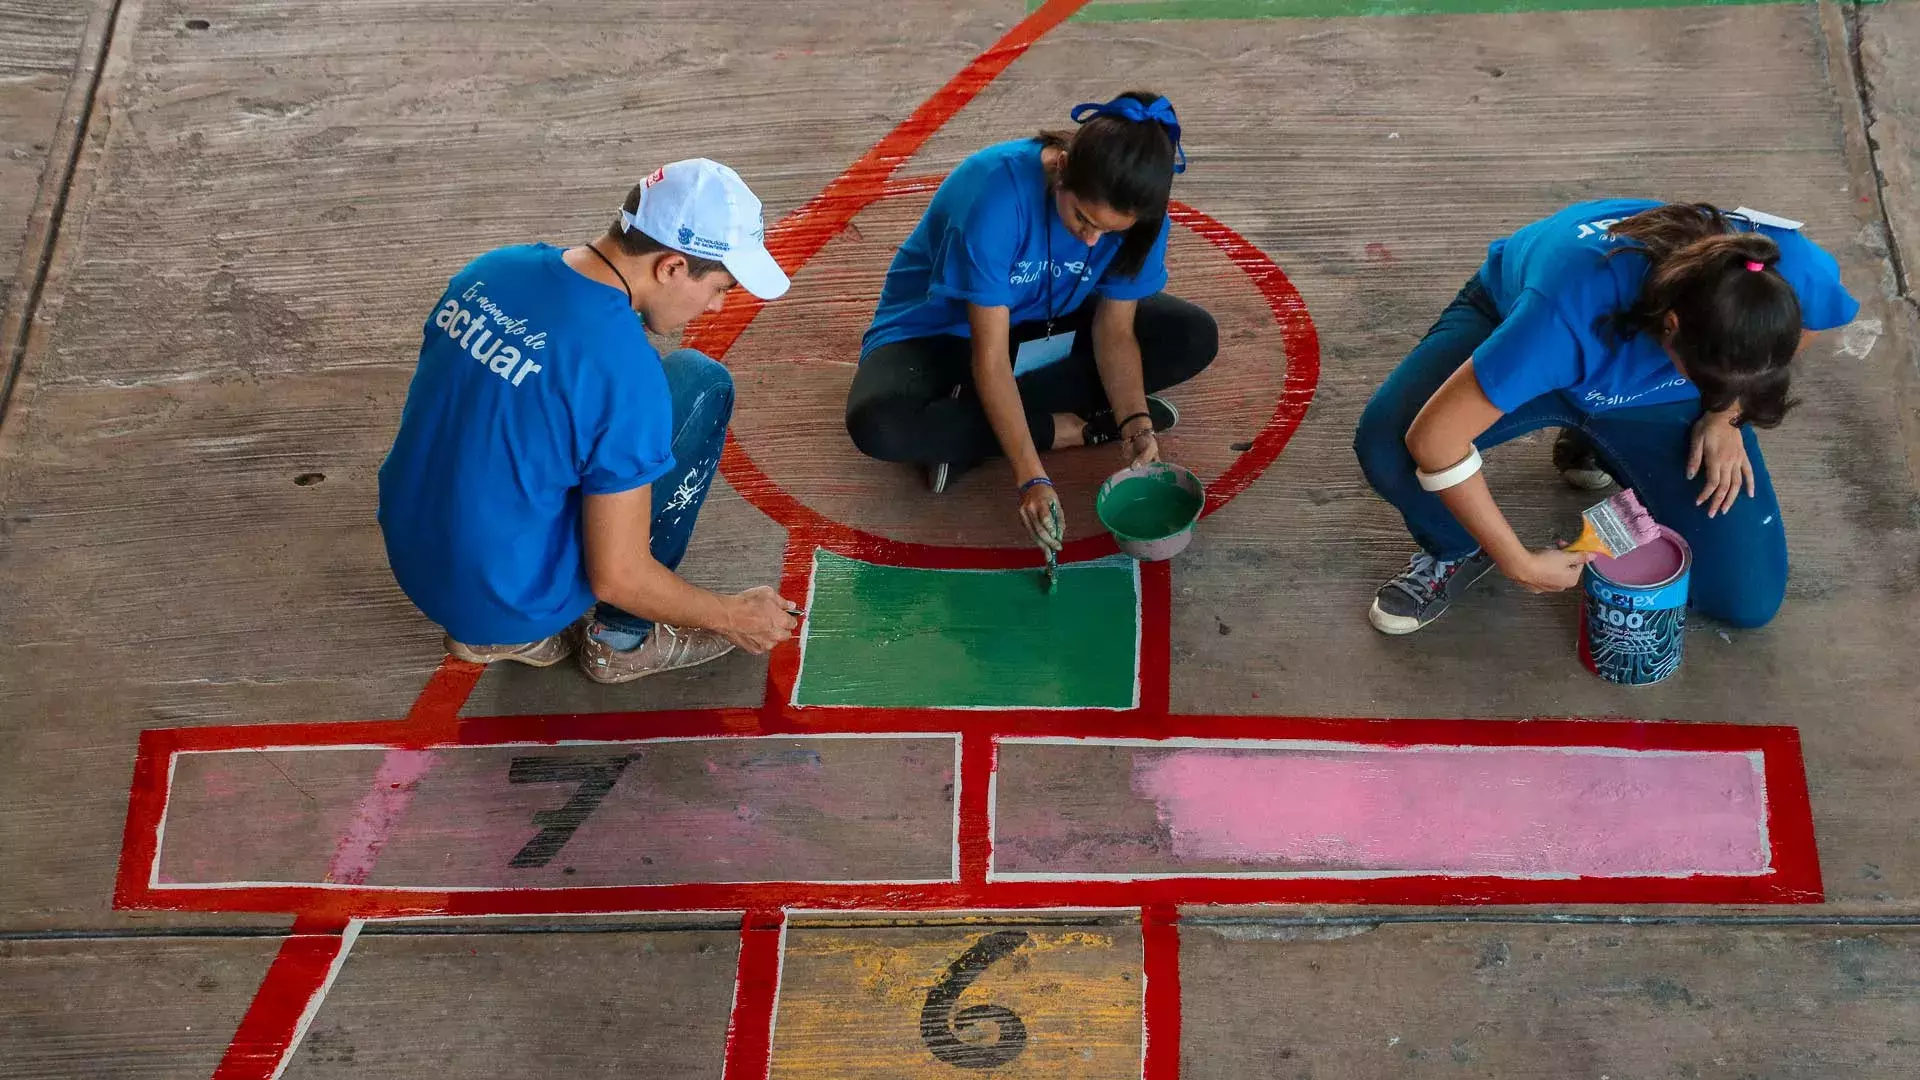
{"x":1615,"y":526}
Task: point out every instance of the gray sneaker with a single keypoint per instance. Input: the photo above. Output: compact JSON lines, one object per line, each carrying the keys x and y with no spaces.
{"x":667,"y":648}
{"x":1423,"y":591}
{"x":546,"y":652}
{"x":1578,"y":462}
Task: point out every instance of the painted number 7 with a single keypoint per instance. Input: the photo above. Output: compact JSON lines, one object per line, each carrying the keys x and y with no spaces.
{"x":596,"y":777}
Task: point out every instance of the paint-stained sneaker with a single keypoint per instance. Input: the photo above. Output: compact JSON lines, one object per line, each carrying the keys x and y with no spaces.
{"x":1578,"y":463}
{"x":1103,"y":426}
{"x":667,"y":648}
{"x":546,"y":652}
{"x":1424,"y":590}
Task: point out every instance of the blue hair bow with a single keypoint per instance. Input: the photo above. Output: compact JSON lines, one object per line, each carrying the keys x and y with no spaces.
{"x":1126,"y":108}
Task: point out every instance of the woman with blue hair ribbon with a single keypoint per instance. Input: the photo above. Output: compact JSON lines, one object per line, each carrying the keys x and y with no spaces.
{"x":1025,"y":313}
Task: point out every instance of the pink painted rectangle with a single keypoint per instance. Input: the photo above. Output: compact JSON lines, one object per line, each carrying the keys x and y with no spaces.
{"x":1094,"y":809}
{"x":645,"y":812}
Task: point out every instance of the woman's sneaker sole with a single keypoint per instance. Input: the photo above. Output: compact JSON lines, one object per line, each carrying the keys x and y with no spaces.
{"x":1467,"y":571}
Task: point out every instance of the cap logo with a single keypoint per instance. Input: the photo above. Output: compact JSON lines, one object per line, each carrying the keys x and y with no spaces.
{"x":686,"y":236}
{"x":659,"y":174}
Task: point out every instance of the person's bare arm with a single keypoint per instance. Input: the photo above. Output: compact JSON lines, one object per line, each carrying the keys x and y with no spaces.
{"x":1116,"y":353}
{"x":1441,"y":437}
{"x":622,"y":571}
{"x":999,"y":394}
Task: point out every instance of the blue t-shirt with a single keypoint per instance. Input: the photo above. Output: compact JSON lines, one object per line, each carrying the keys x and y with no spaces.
{"x":984,"y":240}
{"x":1557,"y":291}
{"x":535,"y":384}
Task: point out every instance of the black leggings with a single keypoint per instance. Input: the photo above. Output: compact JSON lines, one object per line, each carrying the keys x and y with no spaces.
{"x":902,"y":408}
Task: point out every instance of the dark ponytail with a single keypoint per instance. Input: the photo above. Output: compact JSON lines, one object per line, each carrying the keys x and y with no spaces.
{"x":1124,"y":164}
{"x":1738,"y":319}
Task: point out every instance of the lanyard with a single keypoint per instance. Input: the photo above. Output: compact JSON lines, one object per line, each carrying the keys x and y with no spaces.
{"x":1047,"y":215}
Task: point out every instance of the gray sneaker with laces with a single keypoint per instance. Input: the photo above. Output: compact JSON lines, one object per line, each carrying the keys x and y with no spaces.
{"x":667,"y":648}
{"x":1424,"y":590}
{"x":546,"y":652}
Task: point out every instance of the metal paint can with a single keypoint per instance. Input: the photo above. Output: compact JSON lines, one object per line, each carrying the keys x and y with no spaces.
{"x":1634,"y":633}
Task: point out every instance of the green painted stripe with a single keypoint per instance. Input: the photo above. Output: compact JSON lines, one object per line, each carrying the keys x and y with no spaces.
{"x":894,"y":637}
{"x":1170,"y":10}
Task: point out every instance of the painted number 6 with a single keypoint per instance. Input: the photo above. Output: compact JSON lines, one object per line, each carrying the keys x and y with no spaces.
{"x":940,"y":1024}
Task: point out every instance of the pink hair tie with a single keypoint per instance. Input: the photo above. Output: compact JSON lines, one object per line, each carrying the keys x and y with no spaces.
{"x":1755,"y":265}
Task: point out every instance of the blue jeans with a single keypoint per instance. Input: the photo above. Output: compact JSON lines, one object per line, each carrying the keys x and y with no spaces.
{"x":1739,"y":558}
{"x":702,"y":393}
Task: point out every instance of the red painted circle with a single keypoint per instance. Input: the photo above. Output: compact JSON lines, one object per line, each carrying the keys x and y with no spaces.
{"x":717,"y":335}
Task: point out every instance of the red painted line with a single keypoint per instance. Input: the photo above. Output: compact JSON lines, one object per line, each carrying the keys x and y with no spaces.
{"x":1796,"y":854}
{"x":756,"y":995}
{"x":1795,"y":877}
{"x":435,"y":712}
{"x":146,"y":809}
{"x":796,"y":577}
{"x":1423,"y":890}
{"x":1160,"y":941}
{"x":283,"y":1006}
{"x":1143,"y":723}
{"x":978,"y":757}
{"x":1156,"y":638}
{"x":1303,"y":353}
{"x":795,"y":240}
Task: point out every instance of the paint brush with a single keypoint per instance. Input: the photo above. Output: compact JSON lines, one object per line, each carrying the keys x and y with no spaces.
{"x":1053,"y":557}
{"x":1616,"y":526}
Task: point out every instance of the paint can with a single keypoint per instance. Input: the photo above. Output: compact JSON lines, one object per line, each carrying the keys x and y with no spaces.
{"x":1633,"y":611}
{"x":1150,"y":509}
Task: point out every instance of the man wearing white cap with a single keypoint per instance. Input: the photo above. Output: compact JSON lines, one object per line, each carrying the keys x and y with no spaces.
{"x":548,"y":457}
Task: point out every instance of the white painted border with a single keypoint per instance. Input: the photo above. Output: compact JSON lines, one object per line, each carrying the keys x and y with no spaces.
{"x":160,"y":828}
{"x":1139,"y":629}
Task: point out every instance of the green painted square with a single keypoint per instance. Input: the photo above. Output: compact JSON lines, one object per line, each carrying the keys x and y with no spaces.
{"x":890,"y":636}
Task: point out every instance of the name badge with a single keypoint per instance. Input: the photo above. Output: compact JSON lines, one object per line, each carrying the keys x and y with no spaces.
{"x":1040,"y":352}
{"x":1761,"y":218}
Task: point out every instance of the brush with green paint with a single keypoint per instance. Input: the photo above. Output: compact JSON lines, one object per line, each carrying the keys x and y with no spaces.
{"x":1053,"y":557}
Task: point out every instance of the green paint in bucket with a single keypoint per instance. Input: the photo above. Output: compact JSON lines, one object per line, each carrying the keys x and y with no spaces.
{"x":1150,"y":509}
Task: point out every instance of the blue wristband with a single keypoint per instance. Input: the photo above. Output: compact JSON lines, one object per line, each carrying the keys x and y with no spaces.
{"x":1028,"y":486}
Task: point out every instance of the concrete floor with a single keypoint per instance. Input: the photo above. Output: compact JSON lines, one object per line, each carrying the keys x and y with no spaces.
{"x":225,"y":286}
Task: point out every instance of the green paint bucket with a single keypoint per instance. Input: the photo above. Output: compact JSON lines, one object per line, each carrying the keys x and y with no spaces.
{"x":1150,"y":509}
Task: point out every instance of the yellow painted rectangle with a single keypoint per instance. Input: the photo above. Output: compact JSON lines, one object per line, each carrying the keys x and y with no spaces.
{"x":946,"y":1003}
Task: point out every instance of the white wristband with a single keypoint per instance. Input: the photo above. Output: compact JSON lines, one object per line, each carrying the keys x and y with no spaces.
{"x":1451,"y":475}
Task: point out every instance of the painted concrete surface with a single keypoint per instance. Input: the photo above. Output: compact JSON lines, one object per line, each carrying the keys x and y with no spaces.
{"x":269,"y":204}
{"x":521,"y":1005}
{"x":1116,"y":810}
{"x":575,"y":816}
{"x":904,"y":637}
{"x":40,"y":45}
{"x":149,"y":1009}
{"x":1527,"y":1002}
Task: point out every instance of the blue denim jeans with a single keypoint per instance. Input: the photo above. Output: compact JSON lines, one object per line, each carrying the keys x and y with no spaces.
{"x":702,"y":393}
{"x":1739,"y":558}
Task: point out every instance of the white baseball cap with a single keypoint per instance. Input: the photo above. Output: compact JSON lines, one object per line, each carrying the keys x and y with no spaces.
{"x":702,"y":208}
